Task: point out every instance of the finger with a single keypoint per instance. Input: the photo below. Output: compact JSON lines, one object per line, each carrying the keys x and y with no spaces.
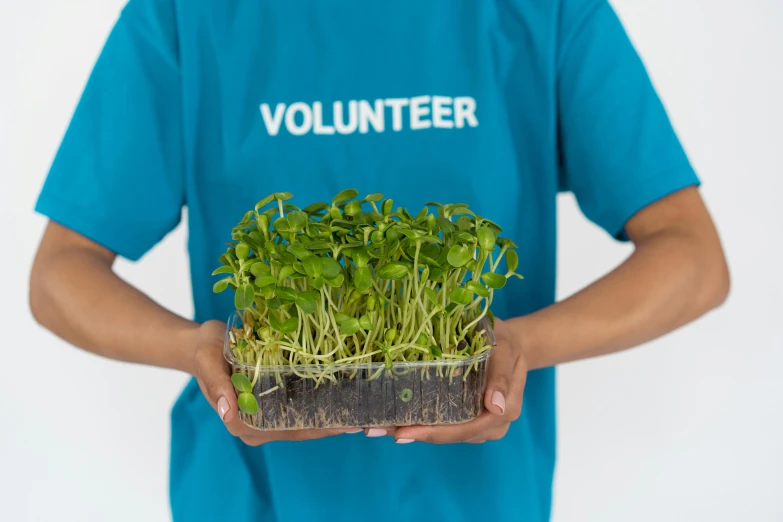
{"x":478,"y":428}
{"x":387,"y":431}
{"x":500,"y":373}
{"x":492,"y":435}
{"x":264,"y":437}
{"x":215,"y":383}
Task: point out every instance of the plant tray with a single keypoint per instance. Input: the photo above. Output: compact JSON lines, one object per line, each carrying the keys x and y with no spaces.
{"x":364,"y":395}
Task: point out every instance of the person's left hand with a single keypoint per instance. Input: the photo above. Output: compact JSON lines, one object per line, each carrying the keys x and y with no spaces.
{"x":506,"y":377}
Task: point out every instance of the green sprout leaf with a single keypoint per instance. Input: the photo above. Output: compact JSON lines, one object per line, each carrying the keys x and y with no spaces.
{"x":223,"y":270}
{"x":486,"y":238}
{"x":284,"y":327}
{"x":431,"y":295}
{"x":493,"y":280}
{"x":290,"y":325}
{"x":365,"y":323}
{"x":299,"y":251}
{"x":318,"y":245}
{"x":335,"y":282}
{"x":286,"y":294}
{"x":395,"y":270}
{"x":308,"y":301}
{"x":264,"y":202}
{"x":463,"y":223}
{"x":373,"y":197}
{"x":242,"y":251}
{"x":353,"y":208}
{"x":247,"y":403}
{"x":288,"y":258}
{"x":351,"y":326}
{"x":429,"y":254}
{"x":221,"y":285}
{"x":283,"y":196}
{"x":318,"y":282}
{"x":282,"y":225}
{"x":313,"y":265}
{"x":341,"y":317}
{"x":360,"y":256}
{"x":461,"y":296}
{"x":265,"y":281}
{"x":458,"y":256}
{"x":445,"y":225}
{"x":260,"y":269}
{"x":344,"y":196}
{"x":466,"y":238}
{"x":477,"y":288}
{"x":362,"y":279}
{"x":331,"y":268}
{"x":436,"y":351}
{"x":315,"y":208}
{"x":241,"y":383}
{"x":512,"y":261}
{"x":275,"y":322}
{"x":244,"y":296}
{"x":387,"y":207}
{"x":297,"y":221}
{"x":285,"y":272}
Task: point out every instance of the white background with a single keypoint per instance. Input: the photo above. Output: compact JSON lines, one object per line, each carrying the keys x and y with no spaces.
{"x":687,"y":428}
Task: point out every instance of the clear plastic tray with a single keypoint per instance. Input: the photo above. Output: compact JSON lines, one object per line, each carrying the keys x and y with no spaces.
{"x":366,"y":394}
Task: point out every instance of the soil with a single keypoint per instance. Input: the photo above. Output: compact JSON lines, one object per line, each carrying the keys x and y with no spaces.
{"x":360,"y":398}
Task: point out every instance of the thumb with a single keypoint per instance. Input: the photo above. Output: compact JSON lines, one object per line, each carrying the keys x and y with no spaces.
{"x":214,"y":379}
{"x":500,"y":373}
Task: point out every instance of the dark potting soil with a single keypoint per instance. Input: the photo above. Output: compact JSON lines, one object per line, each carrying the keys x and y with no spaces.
{"x":365,"y":398}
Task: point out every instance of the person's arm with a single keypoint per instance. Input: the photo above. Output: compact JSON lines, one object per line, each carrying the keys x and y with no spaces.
{"x":677,"y":273}
{"x":75,"y":294}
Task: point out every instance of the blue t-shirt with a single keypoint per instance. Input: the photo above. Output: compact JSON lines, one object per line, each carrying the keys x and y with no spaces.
{"x":500,"y":104}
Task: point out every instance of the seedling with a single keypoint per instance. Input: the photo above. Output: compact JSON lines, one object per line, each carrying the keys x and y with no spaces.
{"x":359,"y":294}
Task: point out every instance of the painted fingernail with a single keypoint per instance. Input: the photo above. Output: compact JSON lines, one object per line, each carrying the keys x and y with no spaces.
{"x":404,"y":441}
{"x":376,"y":432}
{"x":499,"y":401}
{"x":355,"y":431}
{"x":223,"y":407}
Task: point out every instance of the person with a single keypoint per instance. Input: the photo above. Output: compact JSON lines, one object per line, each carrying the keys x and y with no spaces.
{"x":497,"y":104}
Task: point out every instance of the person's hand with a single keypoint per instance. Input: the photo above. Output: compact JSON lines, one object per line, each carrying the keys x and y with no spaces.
{"x":213,"y":374}
{"x":506,"y":377}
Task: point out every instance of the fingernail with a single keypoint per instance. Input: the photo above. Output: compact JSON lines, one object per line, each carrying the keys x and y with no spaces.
{"x":376,"y":432}
{"x":355,"y":431}
{"x":499,"y":401}
{"x":222,"y":407}
{"x":404,"y":441}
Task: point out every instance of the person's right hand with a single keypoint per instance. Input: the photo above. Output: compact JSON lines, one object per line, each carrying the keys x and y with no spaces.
{"x":212,"y":372}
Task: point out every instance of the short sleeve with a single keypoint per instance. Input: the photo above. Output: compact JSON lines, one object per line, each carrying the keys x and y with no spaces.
{"x":618,"y":150}
{"x":117,"y":177}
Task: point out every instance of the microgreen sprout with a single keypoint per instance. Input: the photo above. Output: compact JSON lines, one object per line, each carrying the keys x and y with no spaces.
{"x":359,"y":281}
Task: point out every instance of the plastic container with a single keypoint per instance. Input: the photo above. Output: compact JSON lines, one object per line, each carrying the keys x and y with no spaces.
{"x":366,"y":394}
